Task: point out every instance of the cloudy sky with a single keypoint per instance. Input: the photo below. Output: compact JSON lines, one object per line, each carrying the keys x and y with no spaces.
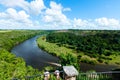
{"x":60,"y":14}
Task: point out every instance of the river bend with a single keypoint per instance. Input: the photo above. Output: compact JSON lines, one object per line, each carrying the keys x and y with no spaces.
{"x":33,"y":55}
{"x":38,"y":58}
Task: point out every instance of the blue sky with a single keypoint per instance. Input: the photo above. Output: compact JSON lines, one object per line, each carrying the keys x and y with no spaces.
{"x":60,"y":14}
{"x":91,"y":9}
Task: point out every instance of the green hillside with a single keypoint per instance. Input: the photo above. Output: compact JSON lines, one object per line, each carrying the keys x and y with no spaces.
{"x":11,"y":66}
{"x":89,"y":46}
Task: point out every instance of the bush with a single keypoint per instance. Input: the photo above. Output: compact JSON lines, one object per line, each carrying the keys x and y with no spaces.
{"x":87,"y":59}
{"x":100,"y":60}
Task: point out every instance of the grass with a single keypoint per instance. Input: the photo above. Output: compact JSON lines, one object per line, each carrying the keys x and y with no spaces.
{"x":115,"y":59}
{"x":57,"y":50}
{"x":68,"y":56}
{"x":4,"y":31}
{"x":52,"y":48}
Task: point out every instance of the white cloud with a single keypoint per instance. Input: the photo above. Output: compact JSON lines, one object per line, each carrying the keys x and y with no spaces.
{"x":107,"y":22}
{"x":55,"y":6}
{"x":35,"y":7}
{"x":99,"y":23}
{"x":79,"y":23}
{"x":54,"y":15}
{"x":29,"y":16}
{"x":2,"y":15}
{"x":66,"y":9}
{"x":13,"y":19}
{"x":20,"y":16}
{"x":12,"y":3}
{"x":11,"y":24}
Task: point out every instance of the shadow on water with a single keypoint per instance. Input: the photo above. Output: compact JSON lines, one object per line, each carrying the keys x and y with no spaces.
{"x":97,"y":67}
{"x":33,"y":55}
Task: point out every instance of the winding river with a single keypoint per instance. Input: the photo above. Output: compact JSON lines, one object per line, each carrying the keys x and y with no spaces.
{"x":38,"y":58}
{"x":33,"y":55}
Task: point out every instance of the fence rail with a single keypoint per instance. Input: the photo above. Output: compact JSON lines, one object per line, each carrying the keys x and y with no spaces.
{"x":51,"y":75}
{"x":111,"y":75}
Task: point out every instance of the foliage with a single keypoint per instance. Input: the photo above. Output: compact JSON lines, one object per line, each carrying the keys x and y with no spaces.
{"x":87,"y":59}
{"x":101,"y":42}
{"x":11,"y":38}
{"x":101,"y":45}
{"x":11,"y":66}
{"x":66,"y":55}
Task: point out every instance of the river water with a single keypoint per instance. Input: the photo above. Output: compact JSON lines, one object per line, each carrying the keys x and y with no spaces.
{"x":33,"y":55}
{"x":38,"y":58}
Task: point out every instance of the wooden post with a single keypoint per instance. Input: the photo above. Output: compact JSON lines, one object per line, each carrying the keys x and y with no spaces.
{"x":70,"y":72}
{"x":57,"y":74}
{"x":46,"y":75}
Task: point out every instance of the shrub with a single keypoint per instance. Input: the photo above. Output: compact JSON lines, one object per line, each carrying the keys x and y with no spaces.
{"x":87,"y":59}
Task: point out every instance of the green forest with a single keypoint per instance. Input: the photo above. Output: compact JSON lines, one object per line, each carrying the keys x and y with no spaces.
{"x":75,"y":46}
{"x":104,"y":42}
{"x":70,"y":46}
{"x":10,"y":65}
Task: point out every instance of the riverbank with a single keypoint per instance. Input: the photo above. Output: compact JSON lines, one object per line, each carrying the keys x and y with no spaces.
{"x":10,"y":65}
{"x":65,"y":55}
{"x":33,"y":55}
{"x":61,"y":51}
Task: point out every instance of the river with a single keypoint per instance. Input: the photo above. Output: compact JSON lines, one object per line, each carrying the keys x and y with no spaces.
{"x":38,"y":58}
{"x":33,"y":55}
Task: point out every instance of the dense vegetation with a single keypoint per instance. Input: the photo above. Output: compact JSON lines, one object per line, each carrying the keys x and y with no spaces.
{"x":10,"y":38}
{"x":103,"y":42}
{"x":65,"y":54}
{"x":88,"y":46}
{"x":10,"y":65}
